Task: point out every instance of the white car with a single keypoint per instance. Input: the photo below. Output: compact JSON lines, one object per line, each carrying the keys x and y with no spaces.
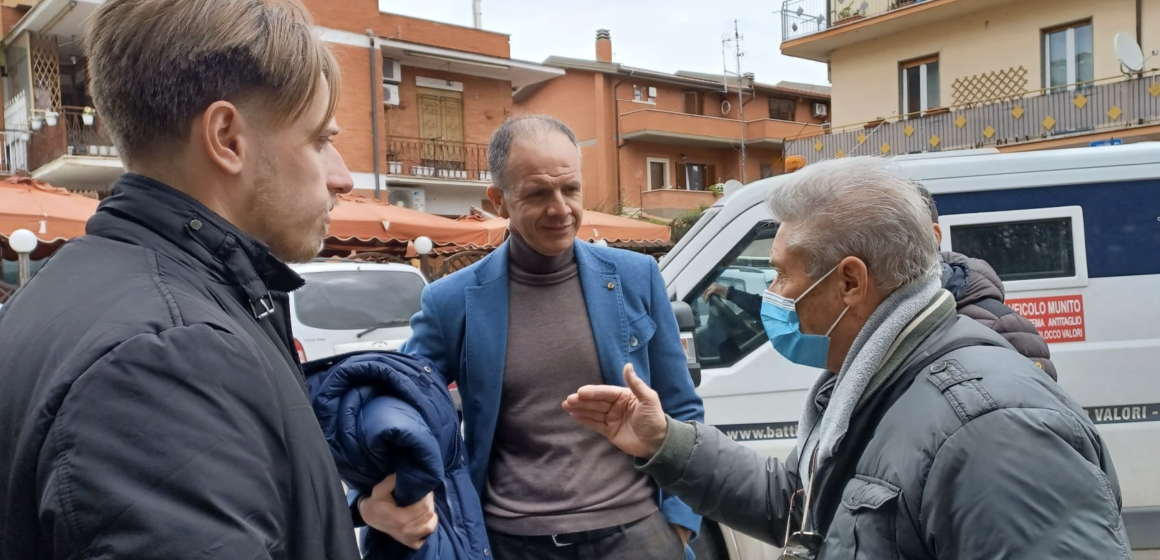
{"x":349,"y":306}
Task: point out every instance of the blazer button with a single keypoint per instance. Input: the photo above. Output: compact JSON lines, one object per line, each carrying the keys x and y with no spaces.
{"x":633,"y":342}
{"x":611,"y":286}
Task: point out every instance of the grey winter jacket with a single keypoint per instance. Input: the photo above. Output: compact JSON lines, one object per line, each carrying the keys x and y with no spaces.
{"x":979,"y":294}
{"x":980,"y":457}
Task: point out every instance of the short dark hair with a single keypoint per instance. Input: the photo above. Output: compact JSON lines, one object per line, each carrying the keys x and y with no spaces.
{"x":502,"y":139}
{"x":155,"y":64}
{"x":929,"y":199}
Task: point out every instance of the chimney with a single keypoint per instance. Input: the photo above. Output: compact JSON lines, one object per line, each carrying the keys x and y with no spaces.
{"x":750,"y":78}
{"x":603,"y":45}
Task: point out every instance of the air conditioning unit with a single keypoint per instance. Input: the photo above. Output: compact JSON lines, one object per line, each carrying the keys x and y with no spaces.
{"x":820,"y":110}
{"x":409,"y":197}
{"x":652,"y":93}
{"x":392,"y":71}
{"x":391,"y":94}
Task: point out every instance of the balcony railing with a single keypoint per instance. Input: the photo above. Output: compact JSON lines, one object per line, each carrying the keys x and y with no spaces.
{"x":14,"y":154}
{"x":72,"y":136}
{"x":1099,"y":106}
{"x":657,"y":125}
{"x":800,"y":18}
{"x":437,"y":159}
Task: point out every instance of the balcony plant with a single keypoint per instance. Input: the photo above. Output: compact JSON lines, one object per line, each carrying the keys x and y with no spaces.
{"x":88,"y":116}
{"x":717,"y":189}
{"x":849,"y":14}
{"x":394,"y":162}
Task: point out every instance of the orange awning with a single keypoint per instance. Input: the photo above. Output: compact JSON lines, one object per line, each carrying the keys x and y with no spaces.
{"x":618,"y":229}
{"x":596,"y":226}
{"x":51,"y":213}
{"x":363,"y":219}
{"x":496,"y":228}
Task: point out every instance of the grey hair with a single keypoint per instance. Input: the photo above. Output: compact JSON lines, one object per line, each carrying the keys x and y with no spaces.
{"x":861,"y":207}
{"x":513,"y":129}
{"x":929,"y":200}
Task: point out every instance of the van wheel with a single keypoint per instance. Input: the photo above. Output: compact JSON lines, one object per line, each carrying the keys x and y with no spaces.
{"x":710,"y":545}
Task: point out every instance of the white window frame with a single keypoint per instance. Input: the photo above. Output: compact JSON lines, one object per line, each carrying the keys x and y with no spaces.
{"x":1079,"y":280}
{"x":668,"y":184}
{"x":924,"y":101}
{"x":1072,"y":68}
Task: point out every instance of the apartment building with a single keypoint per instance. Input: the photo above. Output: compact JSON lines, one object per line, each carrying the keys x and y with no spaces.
{"x":420,"y":100}
{"x":661,"y":143}
{"x":933,"y":75}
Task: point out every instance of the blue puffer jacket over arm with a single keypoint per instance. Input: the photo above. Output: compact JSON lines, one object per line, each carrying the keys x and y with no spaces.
{"x":384,"y":413}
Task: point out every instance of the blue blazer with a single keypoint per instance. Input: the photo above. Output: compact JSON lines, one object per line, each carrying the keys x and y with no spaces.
{"x":463,"y":327}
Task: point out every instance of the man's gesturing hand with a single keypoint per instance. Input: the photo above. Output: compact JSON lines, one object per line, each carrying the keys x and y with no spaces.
{"x":410,"y":525}
{"x":631,"y":418}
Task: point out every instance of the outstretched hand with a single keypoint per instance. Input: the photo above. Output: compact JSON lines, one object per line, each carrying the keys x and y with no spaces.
{"x":630,"y":417}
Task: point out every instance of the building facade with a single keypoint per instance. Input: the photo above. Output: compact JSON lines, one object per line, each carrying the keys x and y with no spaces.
{"x":420,"y":100}
{"x":933,"y":75}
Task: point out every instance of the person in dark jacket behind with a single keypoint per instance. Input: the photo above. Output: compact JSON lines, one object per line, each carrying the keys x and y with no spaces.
{"x":979,"y":294}
{"x":925,"y":436}
{"x":152,"y":404}
{"x":384,"y":414}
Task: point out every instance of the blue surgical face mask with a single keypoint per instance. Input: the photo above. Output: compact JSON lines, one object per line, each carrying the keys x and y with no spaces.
{"x":782,"y":324}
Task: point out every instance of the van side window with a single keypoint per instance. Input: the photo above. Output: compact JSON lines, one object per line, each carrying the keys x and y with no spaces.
{"x":727,"y":303}
{"x":1030,"y":250}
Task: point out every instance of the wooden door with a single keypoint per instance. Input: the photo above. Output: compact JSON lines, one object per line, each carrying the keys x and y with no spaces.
{"x":441,"y":128}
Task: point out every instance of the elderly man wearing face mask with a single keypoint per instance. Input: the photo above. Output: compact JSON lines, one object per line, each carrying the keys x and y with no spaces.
{"x":926,"y":434}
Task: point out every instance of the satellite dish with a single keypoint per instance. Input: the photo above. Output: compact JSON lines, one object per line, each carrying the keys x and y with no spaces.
{"x":1128,"y":52}
{"x":731,"y":186}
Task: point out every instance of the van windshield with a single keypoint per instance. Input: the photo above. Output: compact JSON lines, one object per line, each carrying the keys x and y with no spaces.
{"x":356,"y":300}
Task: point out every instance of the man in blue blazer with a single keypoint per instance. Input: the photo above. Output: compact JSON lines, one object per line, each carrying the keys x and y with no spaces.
{"x":519,"y":331}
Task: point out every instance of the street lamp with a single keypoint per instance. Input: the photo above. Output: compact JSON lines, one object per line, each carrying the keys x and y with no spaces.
{"x":602,"y":242}
{"x":424,"y":246}
{"x":23,"y":242}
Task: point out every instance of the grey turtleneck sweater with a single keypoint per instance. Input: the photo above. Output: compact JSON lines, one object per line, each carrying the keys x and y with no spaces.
{"x":548,"y":474}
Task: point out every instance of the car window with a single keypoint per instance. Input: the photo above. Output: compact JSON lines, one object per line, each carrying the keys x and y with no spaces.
{"x":347,"y":300}
{"x":729,"y":322}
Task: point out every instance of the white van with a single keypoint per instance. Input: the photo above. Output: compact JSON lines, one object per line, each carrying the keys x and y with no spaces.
{"x":1075,"y":236}
{"x":348,"y":306}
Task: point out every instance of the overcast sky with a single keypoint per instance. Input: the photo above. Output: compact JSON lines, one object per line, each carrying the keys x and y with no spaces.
{"x":666,"y":35}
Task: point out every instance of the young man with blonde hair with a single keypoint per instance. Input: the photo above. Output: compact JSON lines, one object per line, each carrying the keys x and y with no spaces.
{"x":152,"y":404}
